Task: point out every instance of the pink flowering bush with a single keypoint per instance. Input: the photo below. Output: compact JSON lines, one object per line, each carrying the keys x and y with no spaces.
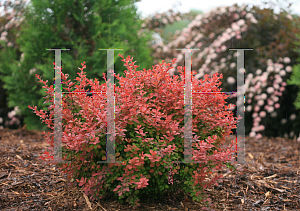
{"x":13,"y":119}
{"x":12,"y":115}
{"x":267,"y":67}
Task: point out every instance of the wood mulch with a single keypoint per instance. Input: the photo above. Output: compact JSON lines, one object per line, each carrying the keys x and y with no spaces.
{"x":268,"y":181}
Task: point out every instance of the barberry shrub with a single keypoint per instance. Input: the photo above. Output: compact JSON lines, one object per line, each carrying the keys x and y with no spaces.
{"x":270,"y":109}
{"x":149,"y":127}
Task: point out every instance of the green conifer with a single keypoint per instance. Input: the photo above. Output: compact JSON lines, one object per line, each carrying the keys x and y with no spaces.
{"x":82,"y":26}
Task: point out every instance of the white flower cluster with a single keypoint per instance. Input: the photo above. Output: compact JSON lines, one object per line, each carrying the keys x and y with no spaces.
{"x":11,"y":115}
{"x":32,"y":71}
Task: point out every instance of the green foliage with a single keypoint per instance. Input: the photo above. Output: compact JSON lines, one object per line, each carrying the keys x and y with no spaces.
{"x":9,"y":51}
{"x":84,"y":27}
{"x":295,"y":77}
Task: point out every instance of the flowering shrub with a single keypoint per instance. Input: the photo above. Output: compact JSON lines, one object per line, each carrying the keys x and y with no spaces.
{"x":159,"y":20}
{"x":12,"y":115}
{"x":13,"y":121}
{"x":267,"y":67}
{"x":149,"y":125}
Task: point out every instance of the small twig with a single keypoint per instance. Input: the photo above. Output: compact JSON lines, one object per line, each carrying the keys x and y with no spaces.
{"x":101,"y":206}
{"x":54,"y":197}
{"x":88,"y":201}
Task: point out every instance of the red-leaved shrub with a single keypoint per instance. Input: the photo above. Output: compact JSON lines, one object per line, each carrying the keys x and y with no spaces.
{"x":149,"y":127}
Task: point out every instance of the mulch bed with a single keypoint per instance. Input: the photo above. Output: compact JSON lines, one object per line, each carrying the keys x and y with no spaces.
{"x":268,"y":181}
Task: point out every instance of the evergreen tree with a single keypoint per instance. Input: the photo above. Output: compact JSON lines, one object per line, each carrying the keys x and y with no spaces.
{"x":11,"y":20}
{"x":82,"y":26}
